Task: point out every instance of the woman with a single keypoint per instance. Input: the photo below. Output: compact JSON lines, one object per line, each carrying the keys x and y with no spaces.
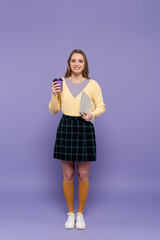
{"x":75,"y":139}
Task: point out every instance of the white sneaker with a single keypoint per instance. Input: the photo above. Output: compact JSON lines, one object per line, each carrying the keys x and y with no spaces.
{"x":80,"y":223}
{"x":70,"y":221}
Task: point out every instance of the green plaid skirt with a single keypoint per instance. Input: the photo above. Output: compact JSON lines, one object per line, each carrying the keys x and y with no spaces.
{"x":75,"y":140}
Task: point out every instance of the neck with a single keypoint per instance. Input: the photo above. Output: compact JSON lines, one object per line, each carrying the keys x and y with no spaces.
{"x":76,"y":78}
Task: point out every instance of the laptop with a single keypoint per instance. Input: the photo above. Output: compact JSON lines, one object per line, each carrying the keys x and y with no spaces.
{"x":86,"y":105}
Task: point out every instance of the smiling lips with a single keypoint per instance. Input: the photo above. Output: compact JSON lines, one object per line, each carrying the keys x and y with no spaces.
{"x":76,"y":68}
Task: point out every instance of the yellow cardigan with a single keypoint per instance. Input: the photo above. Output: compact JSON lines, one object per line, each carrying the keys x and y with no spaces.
{"x":70,"y":105}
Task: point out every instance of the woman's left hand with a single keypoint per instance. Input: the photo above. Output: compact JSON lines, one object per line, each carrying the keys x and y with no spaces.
{"x":87,"y":117}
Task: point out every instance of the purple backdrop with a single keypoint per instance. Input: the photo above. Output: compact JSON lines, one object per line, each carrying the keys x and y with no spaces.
{"x":121,"y":40}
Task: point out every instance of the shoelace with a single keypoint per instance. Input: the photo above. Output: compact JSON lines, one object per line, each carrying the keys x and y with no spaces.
{"x":70,"y":216}
{"x":80,"y":218}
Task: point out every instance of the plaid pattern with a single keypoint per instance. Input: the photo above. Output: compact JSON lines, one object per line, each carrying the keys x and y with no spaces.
{"x":75,"y":140}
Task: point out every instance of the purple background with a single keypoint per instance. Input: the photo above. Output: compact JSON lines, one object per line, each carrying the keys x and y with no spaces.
{"x":121,"y":40}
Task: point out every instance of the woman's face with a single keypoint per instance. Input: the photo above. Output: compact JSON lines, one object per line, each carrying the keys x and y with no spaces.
{"x":77,"y":63}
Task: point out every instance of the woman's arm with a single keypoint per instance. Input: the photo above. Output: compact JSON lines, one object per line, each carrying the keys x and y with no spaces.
{"x":55,"y":104}
{"x":100,"y":107}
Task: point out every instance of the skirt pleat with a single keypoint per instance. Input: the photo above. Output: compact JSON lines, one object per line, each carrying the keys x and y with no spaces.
{"x":75,"y":140}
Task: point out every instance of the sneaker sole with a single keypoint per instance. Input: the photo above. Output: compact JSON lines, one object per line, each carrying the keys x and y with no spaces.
{"x":69,"y":227}
{"x":80,"y":228}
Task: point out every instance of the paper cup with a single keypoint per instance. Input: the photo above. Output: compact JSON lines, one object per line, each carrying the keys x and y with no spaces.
{"x":59,"y":81}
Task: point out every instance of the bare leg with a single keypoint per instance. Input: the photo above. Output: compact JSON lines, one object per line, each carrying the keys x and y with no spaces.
{"x":83,"y":171}
{"x":68,"y":170}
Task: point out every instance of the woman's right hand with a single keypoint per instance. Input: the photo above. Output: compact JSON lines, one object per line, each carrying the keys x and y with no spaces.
{"x":55,"y":88}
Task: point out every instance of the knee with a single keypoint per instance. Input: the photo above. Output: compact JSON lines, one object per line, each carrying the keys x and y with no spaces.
{"x":68,"y":175}
{"x":83,"y":177}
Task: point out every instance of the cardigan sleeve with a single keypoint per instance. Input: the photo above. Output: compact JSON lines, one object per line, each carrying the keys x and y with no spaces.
{"x":55,"y":104}
{"x":100,"y":107}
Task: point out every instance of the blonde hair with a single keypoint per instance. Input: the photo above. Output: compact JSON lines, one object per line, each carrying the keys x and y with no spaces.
{"x":85,"y":71}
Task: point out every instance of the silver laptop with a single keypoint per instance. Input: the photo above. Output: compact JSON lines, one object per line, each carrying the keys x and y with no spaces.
{"x":86,"y":105}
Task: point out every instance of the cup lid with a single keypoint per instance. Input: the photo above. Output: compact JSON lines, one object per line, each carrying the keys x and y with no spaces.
{"x":57,"y":79}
